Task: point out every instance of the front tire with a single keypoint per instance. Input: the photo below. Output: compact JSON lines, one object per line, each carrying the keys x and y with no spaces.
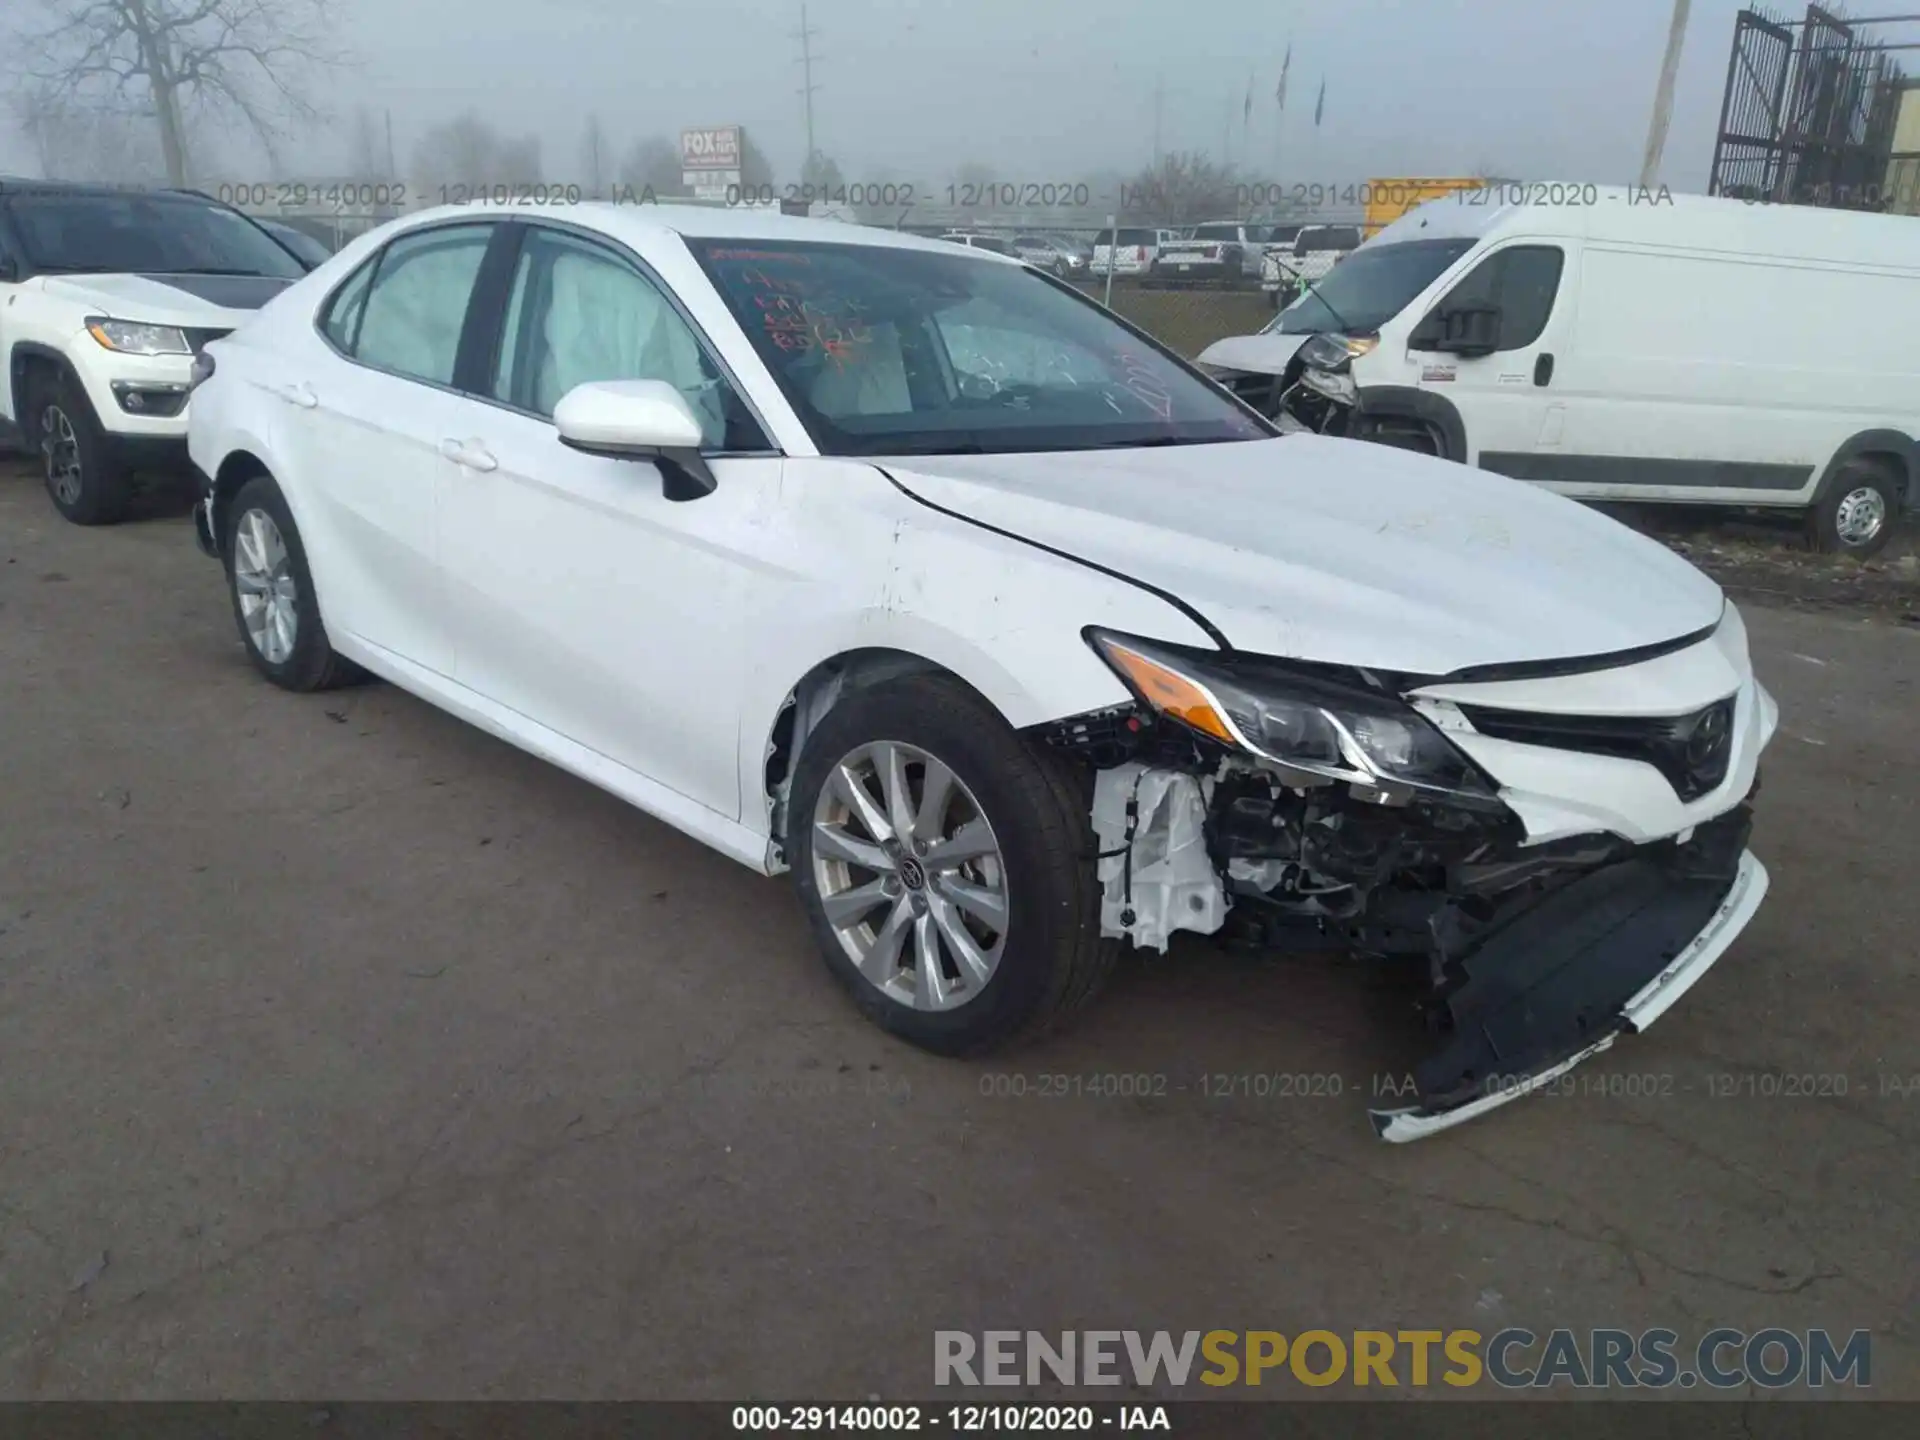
{"x":946,"y":867}
{"x":1855,"y":514}
{"x":87,"y":482}
{"x":271,"y":586}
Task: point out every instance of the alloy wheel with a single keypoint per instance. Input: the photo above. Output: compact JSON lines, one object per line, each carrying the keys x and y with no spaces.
{"x":1861,"y":516}
{"x":263,"y":581}
{"x":910,"y":875}
{"x":61,"y":447}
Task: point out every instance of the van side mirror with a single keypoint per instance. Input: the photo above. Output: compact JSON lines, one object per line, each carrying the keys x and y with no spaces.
{"x":1469,"y":328}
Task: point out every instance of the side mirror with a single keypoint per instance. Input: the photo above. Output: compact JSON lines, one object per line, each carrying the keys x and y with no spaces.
{"x":638,"y":420}
{"x":1469,"y":329}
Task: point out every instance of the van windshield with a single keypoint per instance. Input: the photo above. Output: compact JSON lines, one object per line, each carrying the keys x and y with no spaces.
{"x":1369,"y":287}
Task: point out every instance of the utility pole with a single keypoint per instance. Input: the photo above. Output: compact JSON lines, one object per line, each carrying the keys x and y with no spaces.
{"x":1159,"y":103}
{"x":807,"y":87}
{"x":393,"y":169}
{"x":1663,"y":97}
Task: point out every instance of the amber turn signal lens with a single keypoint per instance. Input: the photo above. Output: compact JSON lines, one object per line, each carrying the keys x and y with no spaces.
{"x":1170,"y":692}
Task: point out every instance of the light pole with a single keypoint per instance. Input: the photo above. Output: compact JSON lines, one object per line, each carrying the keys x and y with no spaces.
{"x":1663,"y":97}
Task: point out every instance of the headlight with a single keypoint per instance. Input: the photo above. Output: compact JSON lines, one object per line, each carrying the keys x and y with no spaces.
{"x":1321,"y":728}
{"x":1336,"y":352}
{"x":129,"y":337}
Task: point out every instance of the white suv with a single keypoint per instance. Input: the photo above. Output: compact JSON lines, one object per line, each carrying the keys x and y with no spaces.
{"x":106,"y":297}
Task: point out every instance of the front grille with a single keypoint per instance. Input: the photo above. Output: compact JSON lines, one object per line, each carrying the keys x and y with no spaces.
{"x":1691,"y":751}
{"x":198,"y":340}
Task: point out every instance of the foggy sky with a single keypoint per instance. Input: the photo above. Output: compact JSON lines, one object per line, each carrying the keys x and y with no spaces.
{"x":1046,"y":90}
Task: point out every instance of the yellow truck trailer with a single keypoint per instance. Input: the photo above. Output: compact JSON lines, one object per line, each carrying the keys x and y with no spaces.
{"x":1387,"y":200}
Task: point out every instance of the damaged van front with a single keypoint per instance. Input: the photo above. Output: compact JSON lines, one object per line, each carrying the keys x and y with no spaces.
{"x":1443,"y":720}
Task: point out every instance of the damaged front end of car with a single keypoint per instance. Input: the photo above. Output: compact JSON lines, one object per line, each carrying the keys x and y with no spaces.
{"x":1312,"y":807}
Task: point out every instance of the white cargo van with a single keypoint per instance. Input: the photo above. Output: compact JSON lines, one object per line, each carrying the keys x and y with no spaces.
{"x":1622,"y":344}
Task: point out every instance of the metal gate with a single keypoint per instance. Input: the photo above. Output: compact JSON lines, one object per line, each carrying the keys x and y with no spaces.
{"x":1808,"y":119}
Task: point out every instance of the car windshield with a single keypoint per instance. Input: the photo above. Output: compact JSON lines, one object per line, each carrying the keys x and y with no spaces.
{"x":143,"y":233}
{"x":887,"y":350}
{"x":1215,"y":232}
{"x":1369,"y":287}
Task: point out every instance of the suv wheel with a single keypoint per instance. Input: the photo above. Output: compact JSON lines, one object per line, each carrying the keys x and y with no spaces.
{"x":946,"y":867}
{"x":85,"y":480}
{"x":273,"y":601}
{"x":1856,"y":514}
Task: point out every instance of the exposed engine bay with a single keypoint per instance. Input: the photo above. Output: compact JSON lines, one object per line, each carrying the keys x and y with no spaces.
{"x":1535,"y":955}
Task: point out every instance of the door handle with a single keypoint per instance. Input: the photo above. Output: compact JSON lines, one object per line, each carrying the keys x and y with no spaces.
{"x":469,"y":453}
{"x":1543,"y":369}
{"x":299,"y":395}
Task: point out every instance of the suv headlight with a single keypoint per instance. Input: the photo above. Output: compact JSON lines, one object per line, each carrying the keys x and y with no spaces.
{"x":1336,"y":352}
{"x":130,"y":337}
{"x":1322,"y":728}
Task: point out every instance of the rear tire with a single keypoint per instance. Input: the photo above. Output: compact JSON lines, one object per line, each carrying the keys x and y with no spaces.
{"x":87,"y":482}
{"x":1047,"y":956}
{"x":271,"y":586}
{"x":1857,"y":511}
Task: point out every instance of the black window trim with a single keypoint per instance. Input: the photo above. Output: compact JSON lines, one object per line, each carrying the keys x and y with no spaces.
{"x":372,"y":266}
{"x":496,"y":291}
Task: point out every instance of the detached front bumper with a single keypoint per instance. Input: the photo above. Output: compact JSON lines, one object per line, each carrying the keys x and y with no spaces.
{"x":1604,"y":956}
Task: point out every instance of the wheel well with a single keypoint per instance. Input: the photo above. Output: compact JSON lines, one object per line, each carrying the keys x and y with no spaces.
{"x":808,"y":702}
{"x":23,"y":363}
{"x":1892,"y":465}
{"x":236,"y":470}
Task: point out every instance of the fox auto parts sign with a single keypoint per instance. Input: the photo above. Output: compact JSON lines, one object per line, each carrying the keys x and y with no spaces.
{"x":715,"y":148}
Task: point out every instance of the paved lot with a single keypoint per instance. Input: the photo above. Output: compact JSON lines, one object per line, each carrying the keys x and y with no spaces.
{"x":346,"y":1051}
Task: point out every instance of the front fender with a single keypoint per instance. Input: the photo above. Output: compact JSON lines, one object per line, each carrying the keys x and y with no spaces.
{"x":1004,"y":616}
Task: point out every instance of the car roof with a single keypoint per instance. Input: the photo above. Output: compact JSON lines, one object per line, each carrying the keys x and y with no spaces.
{"x":646,"y":222}
{"x":12,"y":185}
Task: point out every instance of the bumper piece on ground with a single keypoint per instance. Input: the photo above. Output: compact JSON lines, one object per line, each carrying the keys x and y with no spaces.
{"x":1604,"y":956}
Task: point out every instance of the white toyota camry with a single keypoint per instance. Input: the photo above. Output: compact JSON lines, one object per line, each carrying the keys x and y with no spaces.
{"x":910,"y":570}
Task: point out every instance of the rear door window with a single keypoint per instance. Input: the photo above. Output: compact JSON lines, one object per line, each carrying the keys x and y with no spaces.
{"x":416,"y":305}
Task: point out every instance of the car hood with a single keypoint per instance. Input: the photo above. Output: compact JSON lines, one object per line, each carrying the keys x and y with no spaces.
{"x":198,"y":301}
{"x":1261,"y":354}
{"x":1340,"y":551}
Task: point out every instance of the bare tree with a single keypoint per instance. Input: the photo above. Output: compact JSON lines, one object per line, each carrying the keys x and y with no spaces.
{"x":652,"y":165}
{"x":367,"y":155}
{"x":176,"y":59}
{"x":593,"y":157}
{"x":469,"y":154}
{"x":756,"y":170}
{"x":1183,"y":189}
{"x":75,"y":143}
{"x":821,"y":177}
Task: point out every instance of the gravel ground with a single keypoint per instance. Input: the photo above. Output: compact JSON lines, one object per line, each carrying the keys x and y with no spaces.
{"x":345,"y":1051}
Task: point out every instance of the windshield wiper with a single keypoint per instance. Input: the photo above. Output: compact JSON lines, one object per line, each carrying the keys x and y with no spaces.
{"x":214,"y":270}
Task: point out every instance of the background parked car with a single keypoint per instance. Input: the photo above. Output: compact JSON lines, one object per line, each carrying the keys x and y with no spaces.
{"x":106,"y":296}
{"x":1218,"y":249}
{"x":1130,"y":251}
{"x":1043,"y":252}
{"x":976,"y":241}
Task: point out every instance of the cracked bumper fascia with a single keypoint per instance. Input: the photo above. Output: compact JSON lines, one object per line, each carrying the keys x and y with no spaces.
{"x":1737,"y":908}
